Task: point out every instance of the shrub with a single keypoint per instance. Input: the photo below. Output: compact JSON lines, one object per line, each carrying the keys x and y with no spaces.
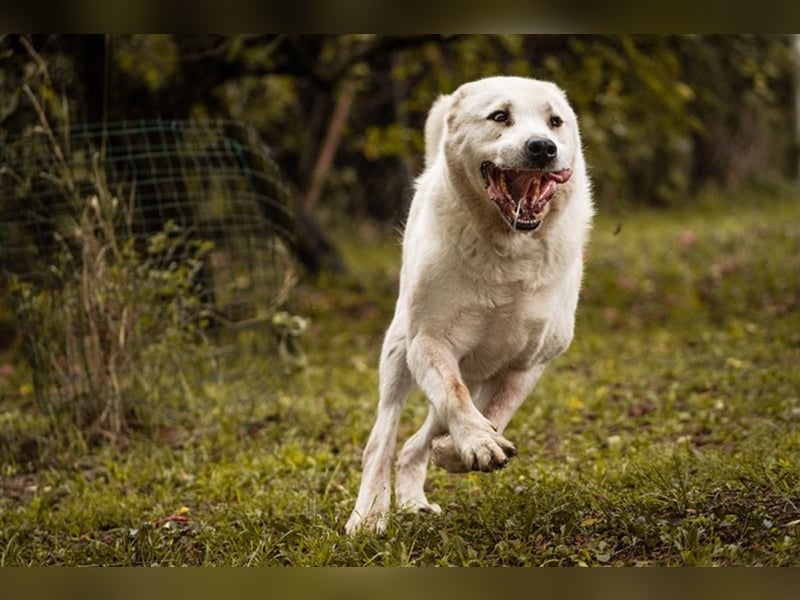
{"x":118,"y":317}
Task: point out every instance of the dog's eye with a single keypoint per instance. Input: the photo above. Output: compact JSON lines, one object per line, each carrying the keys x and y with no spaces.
{"x":556,"y":121}
{"x":501,"y":116}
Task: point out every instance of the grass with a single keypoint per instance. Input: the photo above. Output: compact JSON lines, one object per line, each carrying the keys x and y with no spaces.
{"x":668,"y":434}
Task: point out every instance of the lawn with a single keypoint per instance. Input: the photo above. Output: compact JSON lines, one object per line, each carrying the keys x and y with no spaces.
{"x":668,"y":434}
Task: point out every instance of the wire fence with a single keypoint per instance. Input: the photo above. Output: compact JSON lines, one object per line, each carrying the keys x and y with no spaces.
{"x":121,"y":238}
{"x":212,"y":179}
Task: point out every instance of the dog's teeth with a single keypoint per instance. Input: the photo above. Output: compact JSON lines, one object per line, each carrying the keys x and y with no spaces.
{"x":504,"y":186}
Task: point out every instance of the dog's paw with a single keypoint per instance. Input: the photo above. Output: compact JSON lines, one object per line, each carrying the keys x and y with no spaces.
{"x":418,"y":505}
{"x":480,"y":450}
{"x":410,"y":495}
{"x":444,"y":455}
{"x":371,"y":523}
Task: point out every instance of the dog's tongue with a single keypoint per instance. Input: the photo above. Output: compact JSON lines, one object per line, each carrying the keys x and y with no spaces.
{"x":560,"y":176}
{"x":522,"y":183}
{"x":522,"y":195}
{"x":534,"y":185}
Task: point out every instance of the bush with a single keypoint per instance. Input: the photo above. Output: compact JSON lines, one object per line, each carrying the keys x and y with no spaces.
{"x":121,"y":242}
{"x":117,"y":319}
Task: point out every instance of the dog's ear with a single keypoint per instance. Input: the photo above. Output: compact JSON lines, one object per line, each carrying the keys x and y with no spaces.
{"x":435,"y":126}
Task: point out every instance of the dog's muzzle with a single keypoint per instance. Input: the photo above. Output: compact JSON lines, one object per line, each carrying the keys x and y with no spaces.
{"x":522,"y":195}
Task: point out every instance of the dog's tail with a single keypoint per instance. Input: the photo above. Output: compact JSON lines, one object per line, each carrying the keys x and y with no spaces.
{"x":434,"y":127}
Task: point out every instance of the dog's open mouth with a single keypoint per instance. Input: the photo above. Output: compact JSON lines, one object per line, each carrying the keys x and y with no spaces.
{"x":521,"y":194}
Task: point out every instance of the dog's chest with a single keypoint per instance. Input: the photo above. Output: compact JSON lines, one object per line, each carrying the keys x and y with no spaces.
{"x":498,"y":327}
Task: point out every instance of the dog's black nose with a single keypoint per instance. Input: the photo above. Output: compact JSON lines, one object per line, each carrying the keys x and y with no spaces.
{"x":541,"y":151}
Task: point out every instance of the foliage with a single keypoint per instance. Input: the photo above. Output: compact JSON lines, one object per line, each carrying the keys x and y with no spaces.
{"x":662,"y":116}
{"x":109,"y":292}
{"x":658,"y":114}
{"x":666,"y":435}
{"x":105,"y":316}
{"x":116,"y":318}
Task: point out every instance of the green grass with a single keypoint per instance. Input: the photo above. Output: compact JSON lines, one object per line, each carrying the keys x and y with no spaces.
{"x":668,"y":434}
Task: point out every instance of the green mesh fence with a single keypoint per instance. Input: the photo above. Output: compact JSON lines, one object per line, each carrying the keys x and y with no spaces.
{"x":123,"y":240}
{"x":212,"y":179}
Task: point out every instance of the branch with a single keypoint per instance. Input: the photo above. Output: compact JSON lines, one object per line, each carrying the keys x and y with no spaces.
{"x":328,"y":151}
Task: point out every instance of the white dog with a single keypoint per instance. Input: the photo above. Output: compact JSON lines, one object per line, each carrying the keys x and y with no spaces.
{"x":492,"y":268}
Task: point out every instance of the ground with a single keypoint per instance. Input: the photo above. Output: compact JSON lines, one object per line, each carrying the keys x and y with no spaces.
{"x":666,"y":435}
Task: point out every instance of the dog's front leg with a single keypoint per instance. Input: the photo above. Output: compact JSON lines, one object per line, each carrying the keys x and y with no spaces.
{"x":475,"y":439}
{"x":374,"y":494}
{"x":512,"y":388}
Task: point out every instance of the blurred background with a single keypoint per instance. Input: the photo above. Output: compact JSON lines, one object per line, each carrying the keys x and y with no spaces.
{"x":661,"y":116}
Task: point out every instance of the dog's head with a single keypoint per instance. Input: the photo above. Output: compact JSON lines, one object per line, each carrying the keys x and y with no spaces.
{"x":514,"y":141}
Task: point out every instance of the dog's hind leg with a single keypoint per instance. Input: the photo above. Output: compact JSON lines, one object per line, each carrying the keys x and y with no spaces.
{"x":412,"y":467}
{"x":375,"y":493}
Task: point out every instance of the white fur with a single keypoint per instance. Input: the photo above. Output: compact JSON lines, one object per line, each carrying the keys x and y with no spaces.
{"x":482,"y":308}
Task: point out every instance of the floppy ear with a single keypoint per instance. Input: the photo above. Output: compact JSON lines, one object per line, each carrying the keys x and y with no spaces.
{"x":435,"y":126}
